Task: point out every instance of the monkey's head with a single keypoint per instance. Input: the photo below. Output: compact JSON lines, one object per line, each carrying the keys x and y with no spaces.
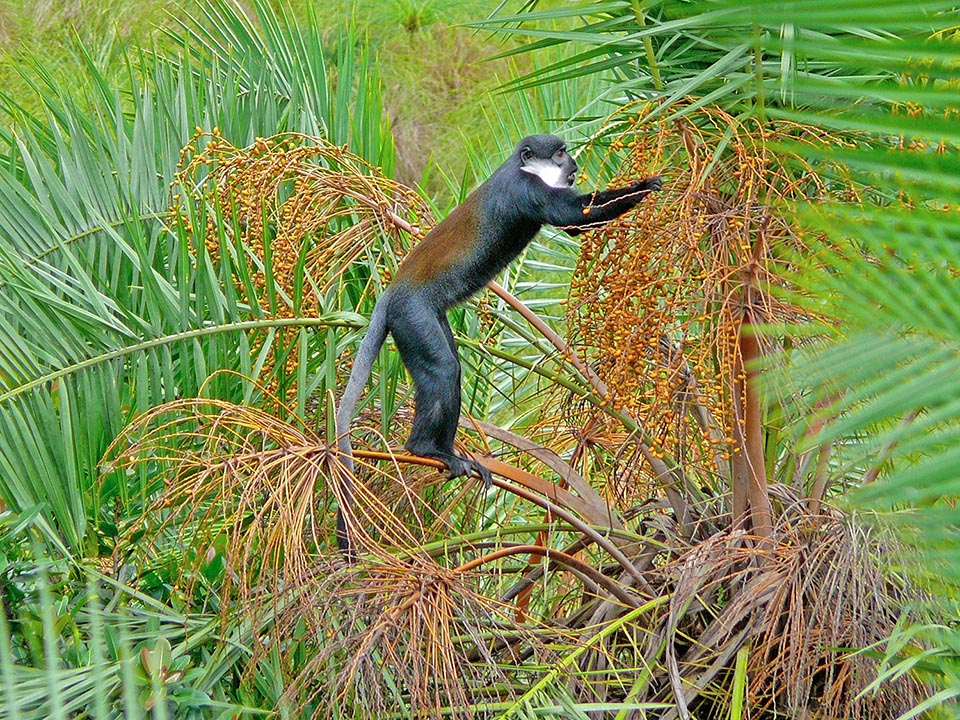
{"x":545,"y":156}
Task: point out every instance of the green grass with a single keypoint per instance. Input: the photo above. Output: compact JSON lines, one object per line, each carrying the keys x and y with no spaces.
{"x":51,"y":29}
{"x":439,"y":87}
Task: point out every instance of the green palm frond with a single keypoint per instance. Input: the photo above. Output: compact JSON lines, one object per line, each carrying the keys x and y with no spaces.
{"x":109,"y":305}
{"x":889,"y":274}
{"x":278,"y":77}
{"x":884,"y":379}
{"x":746,"y":54}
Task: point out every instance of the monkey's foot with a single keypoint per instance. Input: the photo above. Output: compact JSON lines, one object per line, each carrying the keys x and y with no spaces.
{"x":479,"y":469}
{"x":457,"y":465}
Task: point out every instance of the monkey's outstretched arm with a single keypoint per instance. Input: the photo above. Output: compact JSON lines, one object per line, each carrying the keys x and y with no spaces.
{"x":574,"y":213}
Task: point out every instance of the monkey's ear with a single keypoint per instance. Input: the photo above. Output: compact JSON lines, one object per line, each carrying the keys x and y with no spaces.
{"x":549,"y":172}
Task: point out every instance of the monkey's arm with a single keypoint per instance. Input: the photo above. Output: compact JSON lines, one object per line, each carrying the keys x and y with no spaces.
{"x":574,"y":213}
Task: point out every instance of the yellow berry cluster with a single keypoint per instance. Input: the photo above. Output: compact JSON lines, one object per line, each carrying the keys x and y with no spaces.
{"x":659,"y":297}
{"x":296,"y":209}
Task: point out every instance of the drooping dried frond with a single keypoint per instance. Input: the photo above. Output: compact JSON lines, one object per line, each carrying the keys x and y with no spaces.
{"x":805,"y":609}
{"x":411,"y":636}
{"x":244,"y":490}
{"x":245,"y":507}
{"x":260,"y":490}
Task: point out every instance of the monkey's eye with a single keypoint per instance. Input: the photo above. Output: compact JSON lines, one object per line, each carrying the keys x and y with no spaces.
{"x":560,"y":154}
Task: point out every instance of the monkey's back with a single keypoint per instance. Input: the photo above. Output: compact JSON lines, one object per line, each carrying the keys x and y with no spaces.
{"x":468,"y":247}
{"x":444,"y":246}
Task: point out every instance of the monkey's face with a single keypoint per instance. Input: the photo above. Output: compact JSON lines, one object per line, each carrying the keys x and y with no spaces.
{"x":545,"y":156}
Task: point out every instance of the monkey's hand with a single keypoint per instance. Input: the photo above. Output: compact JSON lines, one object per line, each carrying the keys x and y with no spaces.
{"x":649,"y":184}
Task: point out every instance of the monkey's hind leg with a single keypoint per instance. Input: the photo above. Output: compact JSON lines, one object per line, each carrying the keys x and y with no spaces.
{"x":429,"y":353}
{"x":448,"y":428}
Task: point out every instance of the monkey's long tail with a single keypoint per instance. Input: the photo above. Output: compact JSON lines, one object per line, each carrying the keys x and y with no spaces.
{"x":359,"y":375}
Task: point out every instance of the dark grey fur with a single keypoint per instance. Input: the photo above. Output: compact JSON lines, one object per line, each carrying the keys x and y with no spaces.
{"x":457,"y":258}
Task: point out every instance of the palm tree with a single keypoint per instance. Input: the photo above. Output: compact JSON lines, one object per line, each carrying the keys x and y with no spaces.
{"x":176,"y":324}
{"x":867,"y":400}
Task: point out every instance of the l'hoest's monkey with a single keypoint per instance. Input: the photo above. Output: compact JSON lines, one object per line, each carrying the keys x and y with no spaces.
{"x":534,"y":187}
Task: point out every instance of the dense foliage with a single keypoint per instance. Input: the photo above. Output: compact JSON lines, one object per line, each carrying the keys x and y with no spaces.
{"x":725,"y":427}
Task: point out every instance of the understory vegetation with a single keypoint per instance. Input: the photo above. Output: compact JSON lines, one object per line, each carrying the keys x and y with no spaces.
{"x":724,"y":428}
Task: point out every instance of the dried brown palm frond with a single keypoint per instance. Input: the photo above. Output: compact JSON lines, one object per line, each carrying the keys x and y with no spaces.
{"x":804,"y":607}
{"x":250,"y":490}
{"x":244,"y":492}
{"x":427,"y":626}
{"x":412,"y":637}
{"x":256,"y":492}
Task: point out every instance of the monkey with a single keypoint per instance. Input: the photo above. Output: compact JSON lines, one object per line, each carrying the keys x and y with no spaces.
{"x":467,"y":249}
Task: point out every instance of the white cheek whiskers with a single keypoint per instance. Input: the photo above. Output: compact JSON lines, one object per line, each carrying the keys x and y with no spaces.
{"x":551,"y":174}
